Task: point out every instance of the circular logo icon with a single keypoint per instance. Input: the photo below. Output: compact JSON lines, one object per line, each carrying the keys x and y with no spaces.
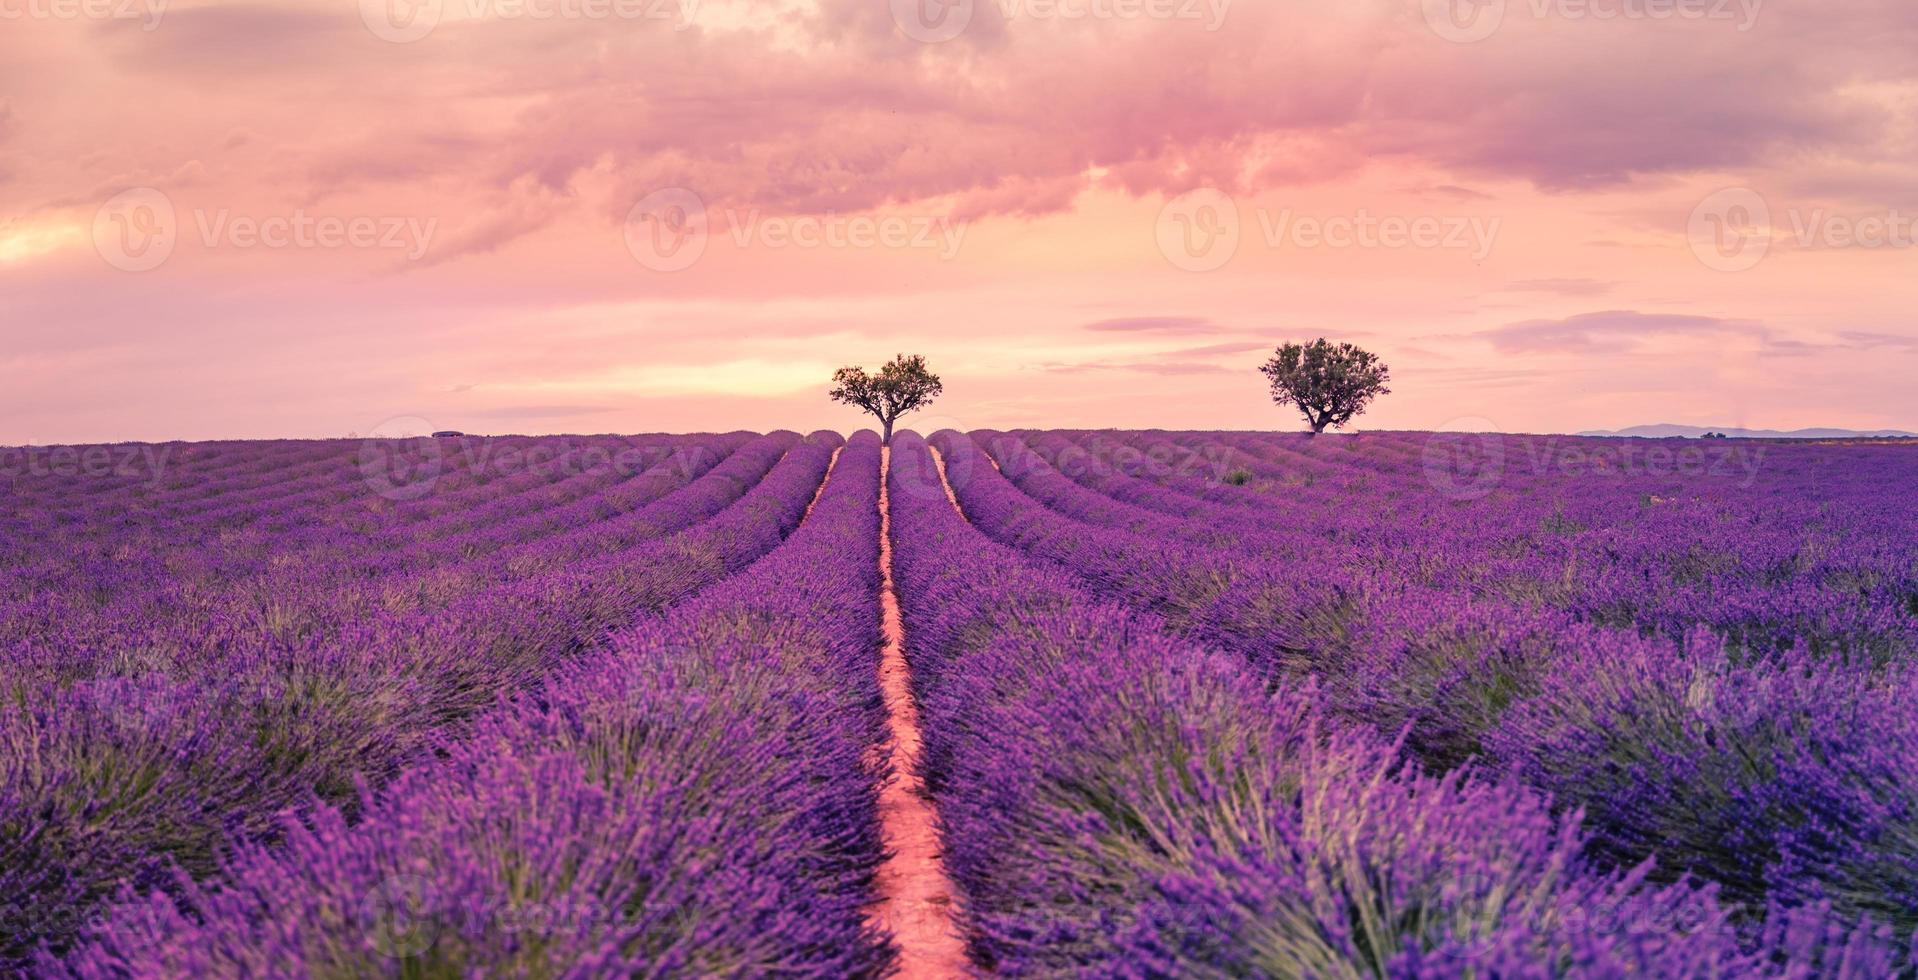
{"x":400,"y":460}
{"x":932,"y":21}
{"x":401,"y":21}
{"x":1198,"y":231}
{"x":402,"y":916}
{"x":1465,"y":465}
{"x":1464,"y":21}
{"x":925,"y":483}
{"x":135,"y":706}
{"x":136,"y":230}
{"x":667,"y":230}
{"x":1730,"y":230}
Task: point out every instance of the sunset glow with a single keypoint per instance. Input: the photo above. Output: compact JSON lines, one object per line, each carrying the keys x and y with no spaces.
{"x":308,"y":217}
{"x":922,"y":489}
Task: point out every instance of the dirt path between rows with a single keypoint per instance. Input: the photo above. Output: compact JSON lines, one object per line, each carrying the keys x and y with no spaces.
{"x":831,"y":464}
{"x":915,"y":894}
{"x":939,"y":463}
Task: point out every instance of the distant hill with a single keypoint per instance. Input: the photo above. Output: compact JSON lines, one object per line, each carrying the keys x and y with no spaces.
{"x":1666,"y":430}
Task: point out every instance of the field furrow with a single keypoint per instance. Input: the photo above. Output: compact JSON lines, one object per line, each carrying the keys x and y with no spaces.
{"x":1020,"y":703}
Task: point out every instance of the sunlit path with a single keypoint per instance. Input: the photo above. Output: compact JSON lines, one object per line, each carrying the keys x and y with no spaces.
{"x":916,"y":896}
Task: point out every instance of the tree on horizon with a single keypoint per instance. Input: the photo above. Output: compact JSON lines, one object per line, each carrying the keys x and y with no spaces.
{"x":1330,"y":383}
{"x":902,"y":385}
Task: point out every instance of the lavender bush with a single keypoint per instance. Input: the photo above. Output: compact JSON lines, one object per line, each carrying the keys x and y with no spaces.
{"x":697,"y":797}
{"x":1120,"y":802}
{"x":1192,"y":703}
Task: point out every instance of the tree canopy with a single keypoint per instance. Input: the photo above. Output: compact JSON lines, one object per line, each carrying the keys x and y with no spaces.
{"x":1330,"y":383}
{"x":902,"y":385}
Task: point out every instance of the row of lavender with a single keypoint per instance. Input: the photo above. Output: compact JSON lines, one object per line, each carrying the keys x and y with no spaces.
{"x":1762,"y":744}
{"x":171,"y":727}
{"x":1769,"y":545}
{"x":1117,"y":801}
{"x":1778,"y":772}
{"x":112,"y":552}
{"x":696,"y":798}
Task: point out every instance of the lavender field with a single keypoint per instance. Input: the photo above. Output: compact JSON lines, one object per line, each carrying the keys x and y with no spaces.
{"x":1198,"y":704}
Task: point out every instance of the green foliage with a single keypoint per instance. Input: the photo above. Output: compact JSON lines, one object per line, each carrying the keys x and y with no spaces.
{"x":1330,"y":383}
{"x":903,"y":385}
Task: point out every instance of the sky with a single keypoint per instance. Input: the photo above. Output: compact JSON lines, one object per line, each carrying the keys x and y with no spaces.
{"x":323,"y":218}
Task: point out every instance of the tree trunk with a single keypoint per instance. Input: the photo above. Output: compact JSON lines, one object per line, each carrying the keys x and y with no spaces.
{"x":1318,"y":425}
{"x":886,"y":438}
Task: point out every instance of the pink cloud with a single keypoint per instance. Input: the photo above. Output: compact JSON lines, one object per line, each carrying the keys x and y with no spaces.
{"x":1014,"y":117}
{"x":1562,"y":287}
{"x":529,"y":141}
{"x":1613,"y":330}
{"x":1155,"y":324}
